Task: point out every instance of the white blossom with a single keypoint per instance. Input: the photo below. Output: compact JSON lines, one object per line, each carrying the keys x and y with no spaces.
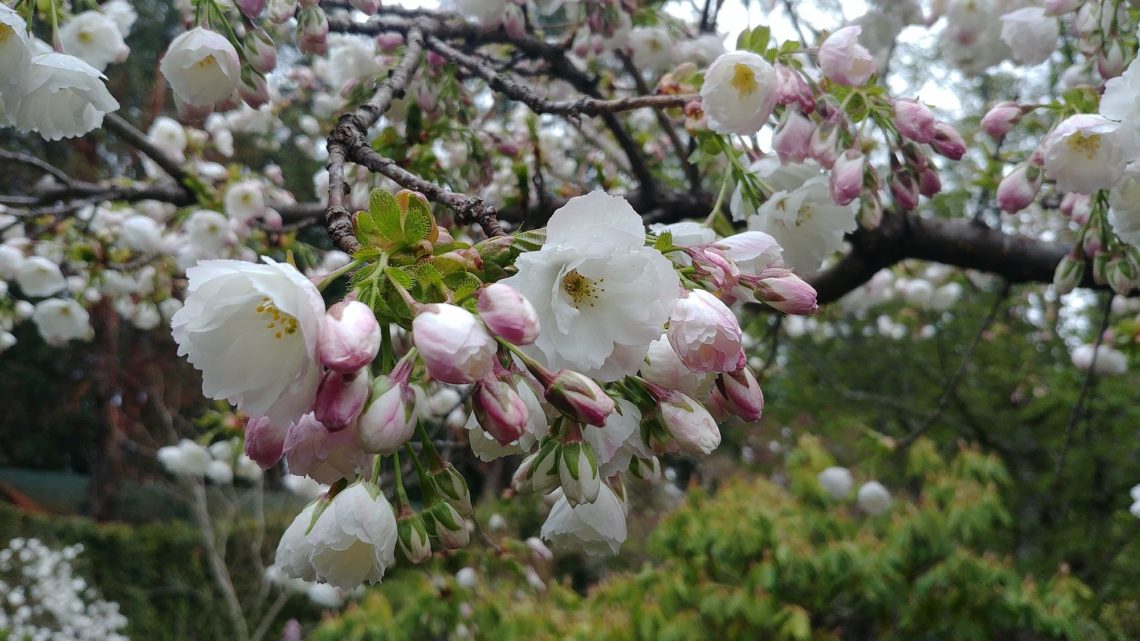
{"x":202,"y":67}
{"x":61,"y":97}
{"x":739,"y":93}
{"x":94,"y":38}
{"x":595,"y":529}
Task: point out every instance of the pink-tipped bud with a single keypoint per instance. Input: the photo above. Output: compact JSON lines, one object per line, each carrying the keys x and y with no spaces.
{"x":367,"y":7}
{"x":281,"y":10}
{"x":447,"y":525}
{"x":455,"y":346}
{"x":389,"y":41}
{"x":350,"y":337}
{"x":792,"y":140}
{"x":508,"y":313}
{"x":824,"y":145}
{"x":500,"y":410}
{"x":341,"y":398}
{"x":514,"y":22}
{"x":688,"y":422}
{"x":786,"y":292}
{"x":312,"y":30}
{"x":846,"y":181}
{"x":264,"y":441}
{"x":252,"y":88}
{"x":189,"y":114}
{"x":905,"y":189}
{"x":389,"y":421}
{"x":914,"y":120}
{"x":948,"y":142}
{"x":452,"y":487}
{"x":741,"y":394}
{"x":1019,"y":189}
{"x":259,"y":50}
{"x":1001,"y":118}
{"x":715,"y":268}
{"x":793,"y":90}
{"x":251,"y":8}
{"x":1111,"y":60}
{"x":929,"y":183}
{"x":578,"y":397}
{"x":705,"y":333}
{"x":842,"y":59}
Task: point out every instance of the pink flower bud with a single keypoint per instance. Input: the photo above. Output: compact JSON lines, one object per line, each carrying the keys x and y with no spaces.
{"x":500,"y":410}
{"x":792,"y":140}
{"x":688,"y":422}
{"x":742,"y":394}
{"x":455,"y":346}
{"x":1019,"y":189}
{"x":824,"y":145}
{"x":389,"y":41}
{"x":914,"y":120}
{"x":846,"y":181}
{"x":264,"y":441}
{"x":281,"y":10}
{"x":792,"y":90}
{"x":251,"y":8}
{"x":312,"y":30}
{"x":786,"y":292}
{"x":259,"y":50}
{"x":367,"y":7}
{"x":514,"y":23}
{"x":350,"y":337}
{"x":751,"y":251}
{"x":844,"y":60}
{"x":1001,"y":118}
{"x":390,"y":418}
{"x":341,"y":397}
{"x":1111,"y":60}
{"x":705,"y":333}
{"x":508,"y":313}
{"x":189,"y":114}
{"x":904,"y":189}
{"x":712,"y":266}
{"x":929,"y":183}
{"x":252,"y":88}
{"x":577,"y":396}
{"x":1065,"y":279}
{"x":948,"y":142}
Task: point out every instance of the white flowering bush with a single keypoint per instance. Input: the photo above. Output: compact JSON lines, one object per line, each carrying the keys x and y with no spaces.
{"x":531,"y":229}
{"x":45,"y":600}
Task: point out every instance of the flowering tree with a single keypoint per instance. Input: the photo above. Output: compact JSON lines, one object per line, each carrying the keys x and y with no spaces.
{"x":783,"y":175}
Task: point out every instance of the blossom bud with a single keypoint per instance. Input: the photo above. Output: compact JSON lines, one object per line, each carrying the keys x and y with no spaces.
{"x":904,"y":189}
{"x":259,"y":50}
{"x":1111,"y":60}
{"x":538,"y":473}
{"x":367,"y":7}
{"x":1121,"y":276}
{"x":846,"y":182}
{"x":413,"y":536}
{"x":578,"y":473}
{"x":722,"y":272}
{"x":836,"y":482}
{"x":1019,"y":189}
{"x":842,"y":59}
{"x":500,"y":410}
{"x":742,"y":394}
{"x":281,"y":10}
{"x":514,"y":22}
{"x":264,"y":441}
{"x":914,"y":120}
{"x":792,"y":139}
{"x":452,"y":487}
{"x":341,"y":397}
{"x":578,"y":397}
{"x":1100,"y":268}
{"x":1058,"y":7}
{"x":1001,"y":118}
{"x":388,"y":42}
{"x":312,"y":30}
{"x":705,"y":333}
{"x":448,"y":525}
{"x":350,"y":337}
{"x":929,"y":183}
{"x":252,"y":88}
{"x":646,"y":469}
{"x":791,"y":89}
{"x":873,"y":498}
{"x":454,"y":344}
{"x":871,"y":212}
{"x":688,"y":422}
{"x":824,"y":145}
{"x":251,"y":8}
{"x":948,"y":142}
{"x":786,"y":292}
{"x":390,"y":418}
{"x":508,"y":313}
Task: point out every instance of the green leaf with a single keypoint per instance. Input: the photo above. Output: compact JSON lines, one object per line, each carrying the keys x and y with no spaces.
{"x":530,"y":240}
{"x":385,"y":214}
{"x":462,"y":284}
{"x":417,"y":223}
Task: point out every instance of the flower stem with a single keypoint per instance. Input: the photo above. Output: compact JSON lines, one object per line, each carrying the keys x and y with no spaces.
{"x":332,"y":277}
{"x":711,"y":220}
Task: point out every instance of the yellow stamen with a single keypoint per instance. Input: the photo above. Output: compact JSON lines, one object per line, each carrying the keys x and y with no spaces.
{"x":581,"y":289}
{"x":1087,"y":144}
{"x":277,"y":321}
{"x":744,"y":80}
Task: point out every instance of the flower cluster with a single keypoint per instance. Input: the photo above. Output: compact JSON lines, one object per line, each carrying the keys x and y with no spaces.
{"x":590,"y":348}
{"x":43,"y":599}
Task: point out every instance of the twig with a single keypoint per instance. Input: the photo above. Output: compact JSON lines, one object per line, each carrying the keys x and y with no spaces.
{"x":1078,"y":411}
{"x":137,"y":139}
{"x":955,"y":380}
{"x":42,"y":165}
{"x":216,"y":560}
{"x":270,"y":616}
